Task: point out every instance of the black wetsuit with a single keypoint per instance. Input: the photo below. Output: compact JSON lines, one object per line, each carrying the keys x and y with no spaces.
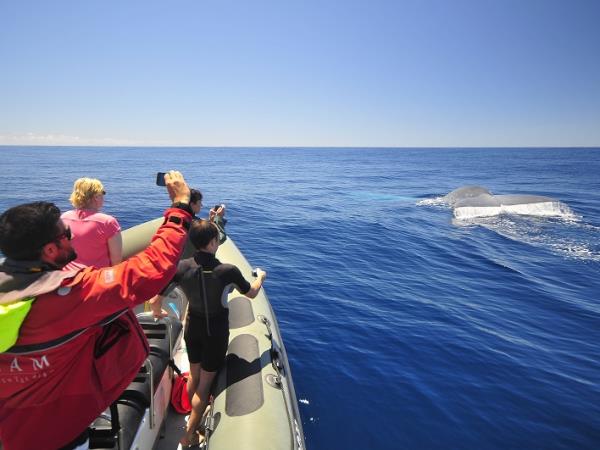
{"x":207,"y":331}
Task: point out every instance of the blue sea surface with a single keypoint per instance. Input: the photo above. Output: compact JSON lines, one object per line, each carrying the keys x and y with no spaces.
{"x":405,"y":328}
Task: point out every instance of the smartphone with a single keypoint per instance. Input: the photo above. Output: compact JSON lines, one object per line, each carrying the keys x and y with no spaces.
{"x":160,"y":179}
{"x":216,"y":208}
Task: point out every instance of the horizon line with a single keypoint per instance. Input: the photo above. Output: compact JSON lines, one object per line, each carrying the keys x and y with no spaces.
{"x":310,"y":146}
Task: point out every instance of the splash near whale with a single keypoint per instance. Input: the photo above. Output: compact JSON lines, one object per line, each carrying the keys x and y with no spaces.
{"x":469,"y":202}
{"x":517,"y":217}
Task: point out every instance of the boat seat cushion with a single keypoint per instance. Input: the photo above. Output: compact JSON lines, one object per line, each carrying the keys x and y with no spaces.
{"x":244,"y":382}
{"x":240,"y":312}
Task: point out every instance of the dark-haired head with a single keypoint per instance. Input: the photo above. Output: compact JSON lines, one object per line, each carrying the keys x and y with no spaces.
{"x":195,"y":200}
{"x":202,"y":232}
{"x":25,"y":229}
{"x":195,"y":195}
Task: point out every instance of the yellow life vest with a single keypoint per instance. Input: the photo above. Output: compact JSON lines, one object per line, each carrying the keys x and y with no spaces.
{"x":12,"y":316}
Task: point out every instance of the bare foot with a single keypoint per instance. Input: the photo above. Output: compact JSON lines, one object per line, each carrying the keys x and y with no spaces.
{"x":193,"y":440}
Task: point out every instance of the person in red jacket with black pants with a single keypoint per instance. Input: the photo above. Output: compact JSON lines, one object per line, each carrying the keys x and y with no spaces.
{"x":69,"y":340}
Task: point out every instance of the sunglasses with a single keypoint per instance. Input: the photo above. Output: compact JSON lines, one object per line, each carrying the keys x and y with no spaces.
{"x":56,"y":239}
{"x":65,"y":234}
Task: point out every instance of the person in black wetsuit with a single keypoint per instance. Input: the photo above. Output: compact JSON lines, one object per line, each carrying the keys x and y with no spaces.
{"x":206,"y":282}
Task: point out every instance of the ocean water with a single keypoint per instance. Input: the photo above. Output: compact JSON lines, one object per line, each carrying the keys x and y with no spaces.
{"x":405,"y":328}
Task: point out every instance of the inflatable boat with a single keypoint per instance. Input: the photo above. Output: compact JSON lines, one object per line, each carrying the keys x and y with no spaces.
{"x":253,"y":405}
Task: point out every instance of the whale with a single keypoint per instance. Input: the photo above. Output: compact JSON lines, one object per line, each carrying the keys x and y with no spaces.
{"x":477,"y":201}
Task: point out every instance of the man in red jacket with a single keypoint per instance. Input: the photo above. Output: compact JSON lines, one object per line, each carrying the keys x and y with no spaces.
{"x":69,"y":341}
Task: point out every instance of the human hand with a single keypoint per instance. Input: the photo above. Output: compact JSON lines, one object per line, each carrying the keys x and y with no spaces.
{"x":159,"y":314}
{"x":261,"y":274}
{"x":177,"y":187}
{"x":155,"y":305}
{"x":220,"y":211}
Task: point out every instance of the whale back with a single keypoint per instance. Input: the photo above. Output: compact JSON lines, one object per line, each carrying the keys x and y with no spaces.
{"x":465,"y":192}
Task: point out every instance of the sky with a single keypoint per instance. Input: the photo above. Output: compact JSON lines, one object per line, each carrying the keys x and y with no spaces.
{"x":323,"y":73}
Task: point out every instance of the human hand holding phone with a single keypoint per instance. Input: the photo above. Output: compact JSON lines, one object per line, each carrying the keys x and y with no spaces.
{"x":217,"y":210}
{"x":176,"y":186}
{"x":160,"y":178}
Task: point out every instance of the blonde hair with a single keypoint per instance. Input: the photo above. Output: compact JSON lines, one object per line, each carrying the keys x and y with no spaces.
{"x":84,"y":190}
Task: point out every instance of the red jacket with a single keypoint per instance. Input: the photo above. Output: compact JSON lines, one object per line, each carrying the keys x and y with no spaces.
{"x":48,"y":397}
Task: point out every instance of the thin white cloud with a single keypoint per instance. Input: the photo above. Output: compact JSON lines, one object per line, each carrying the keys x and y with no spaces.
{"x":66,"y":140}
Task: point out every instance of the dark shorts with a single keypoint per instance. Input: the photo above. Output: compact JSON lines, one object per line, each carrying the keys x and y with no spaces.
{"x":207,"y":350}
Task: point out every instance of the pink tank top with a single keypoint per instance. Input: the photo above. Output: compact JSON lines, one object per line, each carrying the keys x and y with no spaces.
{"x":91,"y":231}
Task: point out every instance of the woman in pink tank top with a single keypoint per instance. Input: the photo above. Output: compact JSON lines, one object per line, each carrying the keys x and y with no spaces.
{"x":96,"y":236}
